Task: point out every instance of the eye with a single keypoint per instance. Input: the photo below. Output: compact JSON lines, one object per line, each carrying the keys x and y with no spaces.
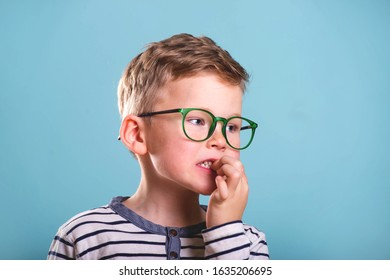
{"x":232,"y":128}
{"x":196,"y":121}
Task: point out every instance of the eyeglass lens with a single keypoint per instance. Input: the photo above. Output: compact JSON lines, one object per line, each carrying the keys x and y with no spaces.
{"x":197,"y":125}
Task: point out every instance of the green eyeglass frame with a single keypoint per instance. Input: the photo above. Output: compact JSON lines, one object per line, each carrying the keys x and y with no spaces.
{"x":184,"y":111}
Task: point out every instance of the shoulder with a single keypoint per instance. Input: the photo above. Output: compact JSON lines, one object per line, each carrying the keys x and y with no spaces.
{"x":88,"y":221}
{"x":91,"y":214}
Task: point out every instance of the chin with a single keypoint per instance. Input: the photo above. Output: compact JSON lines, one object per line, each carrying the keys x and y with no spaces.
{"x":206,"y":190}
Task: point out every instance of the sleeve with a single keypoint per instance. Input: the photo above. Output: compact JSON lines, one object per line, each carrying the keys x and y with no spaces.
{"x":235,"y":241}
{"x":61,"y":248}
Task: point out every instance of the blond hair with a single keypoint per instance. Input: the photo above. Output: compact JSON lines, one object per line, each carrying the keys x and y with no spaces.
{"x":179,"y":56}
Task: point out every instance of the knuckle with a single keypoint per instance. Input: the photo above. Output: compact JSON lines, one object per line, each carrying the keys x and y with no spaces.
{"x":239,"y":166}
{"x":236,"y":175}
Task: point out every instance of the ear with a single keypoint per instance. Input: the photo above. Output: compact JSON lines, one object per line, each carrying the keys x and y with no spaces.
{"x":132,"y":134}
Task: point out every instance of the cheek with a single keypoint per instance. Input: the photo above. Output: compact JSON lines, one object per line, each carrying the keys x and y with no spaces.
{"x":180,"y":151}
{"x":163,"y":135}
{"x":159,"y":139}
{"x":233,"y":153}
{"x":171,"y":153}
{"x":171,"y":162}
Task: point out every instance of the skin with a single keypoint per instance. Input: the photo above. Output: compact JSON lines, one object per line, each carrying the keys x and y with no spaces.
{"x":171,"y":177}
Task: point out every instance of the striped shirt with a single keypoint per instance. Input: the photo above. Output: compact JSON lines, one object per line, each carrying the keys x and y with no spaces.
{"x":116,"y":232}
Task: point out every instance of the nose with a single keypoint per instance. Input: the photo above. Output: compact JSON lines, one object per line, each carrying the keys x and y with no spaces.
{"x":217,"y":139}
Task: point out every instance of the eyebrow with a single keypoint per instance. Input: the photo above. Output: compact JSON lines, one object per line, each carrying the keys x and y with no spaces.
{"x":211,"y":111}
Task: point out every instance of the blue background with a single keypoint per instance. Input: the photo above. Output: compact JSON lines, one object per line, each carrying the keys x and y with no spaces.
{"x":320,"y":90}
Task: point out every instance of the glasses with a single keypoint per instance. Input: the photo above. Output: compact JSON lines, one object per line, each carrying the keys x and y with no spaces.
{"x":199,"y":125}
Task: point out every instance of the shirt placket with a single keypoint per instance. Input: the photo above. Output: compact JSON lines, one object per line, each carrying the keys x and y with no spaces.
{"x":173,"y":243}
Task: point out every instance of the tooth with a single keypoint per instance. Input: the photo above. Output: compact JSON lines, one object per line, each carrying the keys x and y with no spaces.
{"x":206,"y":164}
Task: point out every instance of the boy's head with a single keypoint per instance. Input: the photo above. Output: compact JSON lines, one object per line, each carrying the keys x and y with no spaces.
{"x":177,"y":57}
{"x":192,"y":89}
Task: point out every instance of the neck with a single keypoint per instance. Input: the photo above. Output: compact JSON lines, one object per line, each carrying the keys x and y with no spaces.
{"x":165,"y":204}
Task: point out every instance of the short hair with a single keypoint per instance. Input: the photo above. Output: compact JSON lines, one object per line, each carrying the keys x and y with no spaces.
{"x":179,"y":56}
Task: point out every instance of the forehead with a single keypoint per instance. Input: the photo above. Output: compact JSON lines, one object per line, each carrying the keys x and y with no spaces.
{"x":206,"y":91}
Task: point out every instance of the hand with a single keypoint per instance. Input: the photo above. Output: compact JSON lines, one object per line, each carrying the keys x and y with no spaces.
{"x":227,"y":203}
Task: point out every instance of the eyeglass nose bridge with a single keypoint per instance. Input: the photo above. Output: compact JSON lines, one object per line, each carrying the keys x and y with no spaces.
{"x":214,"y":125}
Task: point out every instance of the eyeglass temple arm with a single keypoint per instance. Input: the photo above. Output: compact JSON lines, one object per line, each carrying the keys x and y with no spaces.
{"x":246,"y":127}
{"x":149,"y":114}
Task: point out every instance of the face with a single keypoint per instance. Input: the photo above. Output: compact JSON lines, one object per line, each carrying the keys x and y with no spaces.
{"x":176,"y":160}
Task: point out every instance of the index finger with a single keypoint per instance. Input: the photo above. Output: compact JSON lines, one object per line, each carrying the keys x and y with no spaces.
{"x":236,"y":163}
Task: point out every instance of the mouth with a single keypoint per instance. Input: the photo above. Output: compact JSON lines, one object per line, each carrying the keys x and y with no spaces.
{"x":206,"y":164}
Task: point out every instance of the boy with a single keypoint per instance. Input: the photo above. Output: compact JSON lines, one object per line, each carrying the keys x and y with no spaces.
{"x":180,"y":102}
